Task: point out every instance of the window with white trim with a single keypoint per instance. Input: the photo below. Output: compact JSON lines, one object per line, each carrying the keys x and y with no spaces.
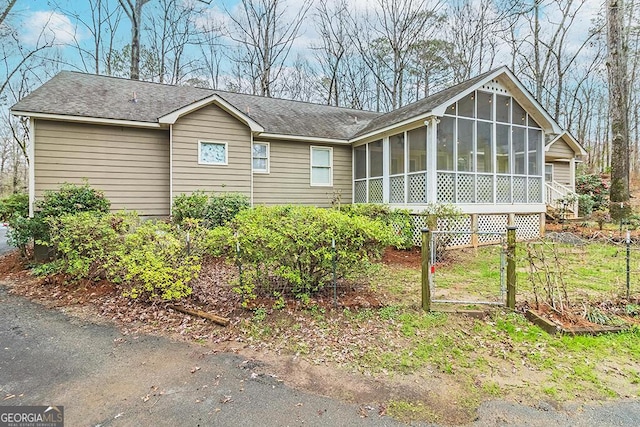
{"x":548,"y":172}
{"x":260,"y":157}
{"x":321,"y":166}
{"x":212,"y":153}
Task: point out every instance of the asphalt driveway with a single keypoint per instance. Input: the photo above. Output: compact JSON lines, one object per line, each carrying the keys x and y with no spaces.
{"x":104,"y":378}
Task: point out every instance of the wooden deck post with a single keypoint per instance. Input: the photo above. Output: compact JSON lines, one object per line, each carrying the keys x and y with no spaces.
{"x":426,"y":269}
{"x":511,"y":267}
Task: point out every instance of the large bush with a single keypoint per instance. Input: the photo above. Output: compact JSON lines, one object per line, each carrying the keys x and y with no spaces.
{"x":399,"y":219}
{"x":13,"y":206}
{"x":69,"y":199}
{"x":153,"y":261}
{"x":596,"y":188}
{"x":73,"y":198}
{"x":150,"y":259}
{"x":288,"y":249}
{"x":85,"y":243}
{"x":213,"y":211}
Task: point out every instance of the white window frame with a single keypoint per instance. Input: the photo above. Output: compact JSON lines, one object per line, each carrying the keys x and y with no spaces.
{"x":311,"y":166}
{"x":545,"y":172}
{"x":226,"y":153}
{"x":268,"y":158}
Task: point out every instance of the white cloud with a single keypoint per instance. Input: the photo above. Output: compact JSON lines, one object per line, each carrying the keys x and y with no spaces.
{"x":48,"y":27}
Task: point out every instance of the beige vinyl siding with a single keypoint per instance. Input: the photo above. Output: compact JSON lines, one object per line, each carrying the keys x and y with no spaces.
{"x":562,"y":173}
{"x":215,"y":125}
{"x":130,"y":165}
{"x":560,"y":150}
{"x":289,"y":177}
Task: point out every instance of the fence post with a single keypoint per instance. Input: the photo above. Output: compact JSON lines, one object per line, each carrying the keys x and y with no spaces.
{"x":511,"y":267}
{"x":426,"y":269}
{"x":628,"y":264}
{"x":474,"y":230}
{"x":334,"y":262}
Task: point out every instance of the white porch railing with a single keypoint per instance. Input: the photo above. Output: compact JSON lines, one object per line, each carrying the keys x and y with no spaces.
{"x":557,"y":193}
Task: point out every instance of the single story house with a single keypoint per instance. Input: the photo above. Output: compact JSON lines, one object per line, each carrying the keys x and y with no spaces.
{"x":479,"y":145}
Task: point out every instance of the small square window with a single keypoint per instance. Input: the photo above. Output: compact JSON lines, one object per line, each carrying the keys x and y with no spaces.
{"x":212,"y":153}
{"x":260,"y":157}
{"x":322,"y":166}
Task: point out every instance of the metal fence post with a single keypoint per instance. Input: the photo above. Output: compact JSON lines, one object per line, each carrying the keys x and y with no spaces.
{"x":511,"y":267}
{"x":426,"y":269}
{"x":628,"y":264}
{"x":334,"y":262}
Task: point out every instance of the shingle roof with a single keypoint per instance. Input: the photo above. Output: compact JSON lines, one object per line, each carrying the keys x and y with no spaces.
{"x":87,"y":95}
{"x":91,"y":96}
{"x":420,"y":107}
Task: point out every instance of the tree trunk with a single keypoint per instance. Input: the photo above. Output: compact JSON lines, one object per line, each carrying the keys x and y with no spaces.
{"x":618,"y":107}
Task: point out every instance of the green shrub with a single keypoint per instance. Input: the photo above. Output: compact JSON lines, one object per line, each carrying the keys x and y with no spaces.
{"x":85,"y":242}
{"x":214,"y":210}
{"x":399,"y":219}
{"x":153,"y":262}
{"x":596,"y":188}
{"x":14,"y":205}
{"x":72,"y":198}
{"x":288,"y":249}
{"x":69,"y":199}
{"x":151,"y":259}
{"x":23,"y":230}
{"x":192,"y":206}
{"x":222,"y":208}
{"x":585,"y":205}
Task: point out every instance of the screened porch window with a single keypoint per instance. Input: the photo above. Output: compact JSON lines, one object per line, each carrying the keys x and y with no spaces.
{"x":396,"y":149}
{"x":487,"y":149}
{"x":446,"y":143}
{"x":418,"y":149}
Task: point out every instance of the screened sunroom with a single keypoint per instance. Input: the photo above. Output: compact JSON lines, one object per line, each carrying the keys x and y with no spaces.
{"x":483,"y":152}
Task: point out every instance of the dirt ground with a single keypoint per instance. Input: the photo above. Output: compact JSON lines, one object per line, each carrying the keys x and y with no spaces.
{"x":102,"y":302}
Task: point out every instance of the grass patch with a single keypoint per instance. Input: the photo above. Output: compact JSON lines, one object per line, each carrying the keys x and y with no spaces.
{"x":410,"y":411}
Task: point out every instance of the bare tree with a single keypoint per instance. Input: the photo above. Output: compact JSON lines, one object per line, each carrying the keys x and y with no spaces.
{"x":385,"y":38}
{"x":618,"y":107}
{"x":133,"y":10}
{"x":6,"y":10}
{"x":265,"y":31}
{"x":331,"y":23}
{"x":544,"y":55}
{"x":210,"y":42}
{"x":476,"y":31}
{"x":171,"y":29}
{"x":299,"y":81}
{"x":101,"y":23}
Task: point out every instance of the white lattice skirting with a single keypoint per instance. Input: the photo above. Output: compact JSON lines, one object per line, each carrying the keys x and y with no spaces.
{"x":528,"y":227}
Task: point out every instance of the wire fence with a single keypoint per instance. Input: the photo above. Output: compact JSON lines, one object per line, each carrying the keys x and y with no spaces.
{"x":566,"y":268}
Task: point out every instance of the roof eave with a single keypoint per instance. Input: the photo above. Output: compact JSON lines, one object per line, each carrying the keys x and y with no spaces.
{"x":88,"y":120}
{"x":418,"y":118}
{"x":172,"y":117}
{"x":570,"y":141}
{"x":301,"y":138}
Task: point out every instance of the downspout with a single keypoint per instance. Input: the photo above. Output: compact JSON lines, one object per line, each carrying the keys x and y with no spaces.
{"x":170,"y":170}
{"x":32,"y":166}
{"x":251,"y":170}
